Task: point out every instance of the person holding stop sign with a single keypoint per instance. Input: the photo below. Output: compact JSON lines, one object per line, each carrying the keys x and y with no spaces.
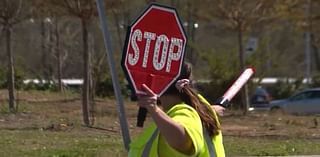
{"x":184,"y":123}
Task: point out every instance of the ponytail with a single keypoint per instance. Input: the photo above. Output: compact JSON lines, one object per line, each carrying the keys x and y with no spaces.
{"x":190,"y":97}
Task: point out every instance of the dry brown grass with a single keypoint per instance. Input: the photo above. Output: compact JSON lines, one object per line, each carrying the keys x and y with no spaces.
{"x":48,"y":109}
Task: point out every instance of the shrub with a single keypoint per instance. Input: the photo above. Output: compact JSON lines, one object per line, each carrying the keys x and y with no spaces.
{"x":285,"y":88}
{"x":223,"y":70}
{"x":42,"y":86}
{"x":19,"y":77}
{"x":316,"y":81}
{"x":104,"y":88}
{"x":3,"y":78}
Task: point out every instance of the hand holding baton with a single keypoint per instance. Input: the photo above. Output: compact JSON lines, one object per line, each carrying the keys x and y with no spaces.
{"x":235,"y":87}
{"x":223,"y":101}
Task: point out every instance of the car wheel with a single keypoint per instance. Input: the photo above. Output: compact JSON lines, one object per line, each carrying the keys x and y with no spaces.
{"x":276,"y":111}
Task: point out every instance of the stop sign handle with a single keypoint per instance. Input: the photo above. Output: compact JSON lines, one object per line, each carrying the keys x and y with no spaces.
{"x":141,"y":117}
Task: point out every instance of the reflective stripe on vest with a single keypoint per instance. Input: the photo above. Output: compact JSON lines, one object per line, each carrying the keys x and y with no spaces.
{"x":147,"y":148}
{"x":210,"y":144}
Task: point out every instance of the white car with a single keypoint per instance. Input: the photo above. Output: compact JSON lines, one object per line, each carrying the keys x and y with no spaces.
{"x":301,"y":103}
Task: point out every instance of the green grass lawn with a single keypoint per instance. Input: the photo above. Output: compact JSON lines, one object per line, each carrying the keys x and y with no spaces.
{"x":262,"y":146}
{"x":37,"y":143}
{"x":91,"y":143}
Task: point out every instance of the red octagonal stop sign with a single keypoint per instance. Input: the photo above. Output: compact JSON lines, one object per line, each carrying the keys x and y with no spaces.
{"x":154,"y":49}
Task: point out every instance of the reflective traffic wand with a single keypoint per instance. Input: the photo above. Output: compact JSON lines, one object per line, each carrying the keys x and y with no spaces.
{"x":235,"y":87}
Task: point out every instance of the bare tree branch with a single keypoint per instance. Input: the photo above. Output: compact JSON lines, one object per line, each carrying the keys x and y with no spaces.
{"x":78,"y":6}
{"x":17,"y":11}
{"x":92,"y":7}
{"x":70,"y":9}
{"x":1,"y":31}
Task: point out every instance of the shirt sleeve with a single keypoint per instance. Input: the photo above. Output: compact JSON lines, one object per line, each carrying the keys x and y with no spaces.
{"x":190,"y":120}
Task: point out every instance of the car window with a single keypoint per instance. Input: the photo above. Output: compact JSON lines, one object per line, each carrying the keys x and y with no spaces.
{"x":315,"y":95}
{"x":261,"y":91}
{"x":301,"y":96}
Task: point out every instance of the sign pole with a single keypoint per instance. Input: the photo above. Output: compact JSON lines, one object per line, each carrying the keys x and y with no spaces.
{"x":115,"y":81}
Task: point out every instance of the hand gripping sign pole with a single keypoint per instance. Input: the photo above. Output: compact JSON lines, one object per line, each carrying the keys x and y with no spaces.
{"x":235,"y":87}
{"x":107,"y":42}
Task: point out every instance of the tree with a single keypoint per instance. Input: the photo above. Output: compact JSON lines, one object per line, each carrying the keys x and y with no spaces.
{"x":49,"y":14}
{"x":305,"y":17}
{"x":239,"y":16}
{"x":315,"y":30}
{"x":85,"y":11}
{"x":12,"y":12}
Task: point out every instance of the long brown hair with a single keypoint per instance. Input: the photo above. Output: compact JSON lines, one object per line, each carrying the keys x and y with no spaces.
{"x":190,"y":96}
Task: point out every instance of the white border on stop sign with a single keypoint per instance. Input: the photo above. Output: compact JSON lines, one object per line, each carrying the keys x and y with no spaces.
{"x":164,"y":8}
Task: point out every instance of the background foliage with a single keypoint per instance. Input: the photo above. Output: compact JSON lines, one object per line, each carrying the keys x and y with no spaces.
{"x":213,"y":48}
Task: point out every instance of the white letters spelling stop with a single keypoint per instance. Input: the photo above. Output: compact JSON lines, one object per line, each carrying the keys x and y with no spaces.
{"x":163,"y":48}
{"x":154,"y":49}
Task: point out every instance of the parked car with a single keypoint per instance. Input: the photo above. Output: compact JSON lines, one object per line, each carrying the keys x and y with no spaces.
{"x":260,"y":100}
{"x":301,"y":103}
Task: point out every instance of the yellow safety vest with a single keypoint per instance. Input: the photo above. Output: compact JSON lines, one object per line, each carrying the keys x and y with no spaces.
{"x":190,"y":120}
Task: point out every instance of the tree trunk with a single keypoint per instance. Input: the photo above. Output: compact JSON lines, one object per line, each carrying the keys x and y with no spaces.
{"x":244,"y":92}
{"x":316,"y":56}
{"x":49,"y":68}
{"x":117,"y":23}
{"x":92,"y":102}
{"x":193,"y":55}
{"x":241,"y":55}
{"x":11,"y":81}
{"x":59,"y":56}
{"x":91,"y":81}
{"x":86,"y":74}
{"x":190,"y":56}
{"x":44,"y":50}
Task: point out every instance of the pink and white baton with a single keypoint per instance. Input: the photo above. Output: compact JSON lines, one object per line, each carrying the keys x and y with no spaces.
{"x":235,"y":87}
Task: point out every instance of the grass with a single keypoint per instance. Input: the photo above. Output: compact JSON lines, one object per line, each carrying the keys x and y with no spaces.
{"x":39,"y":143}
{"x":263,"y":146}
